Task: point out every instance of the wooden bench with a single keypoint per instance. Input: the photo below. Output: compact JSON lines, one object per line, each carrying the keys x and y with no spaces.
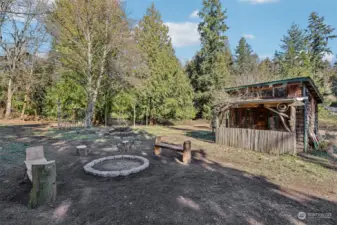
{"x":185,"y":149}
{"x":42,"y":174}
{"x":34,"y":155}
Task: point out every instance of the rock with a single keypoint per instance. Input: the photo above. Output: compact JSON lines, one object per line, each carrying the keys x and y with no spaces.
{"x":125,"y":172}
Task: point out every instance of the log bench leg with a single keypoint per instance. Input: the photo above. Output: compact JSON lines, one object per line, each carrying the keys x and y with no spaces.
{"x":44,"y":184}
{"x":157,"y":149}
{"x":187,"y":152}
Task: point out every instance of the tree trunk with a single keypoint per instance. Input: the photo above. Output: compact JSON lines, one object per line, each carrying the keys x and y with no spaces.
{"x":101,"y":72}
{"x":58,"y":113}
{"x":24,"y":106}
{"x":89,"y":112}
{"x":9,"y":99}
{"x":134,"y":116}
{"x":29,"y":80}
{"x":44,"y":184}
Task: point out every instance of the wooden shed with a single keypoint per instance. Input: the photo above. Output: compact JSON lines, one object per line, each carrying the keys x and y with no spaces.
{"x":279,"y":116}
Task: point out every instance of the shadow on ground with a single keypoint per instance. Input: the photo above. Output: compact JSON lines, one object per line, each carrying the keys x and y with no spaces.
{"x":320,"y":158}
{"x":201,"y":135}
{"x":166,"y":193}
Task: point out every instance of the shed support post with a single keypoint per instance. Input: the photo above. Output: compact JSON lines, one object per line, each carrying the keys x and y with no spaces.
{"x":292,"y":120}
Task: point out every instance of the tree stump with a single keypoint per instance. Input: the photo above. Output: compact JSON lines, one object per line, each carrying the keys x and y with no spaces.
{"x":82,"y":150}
{"x":187,"y":152}
{"x":44,"y":184}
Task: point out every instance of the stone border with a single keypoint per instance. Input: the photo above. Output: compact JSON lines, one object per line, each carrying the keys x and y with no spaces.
{"x":88,"y":168}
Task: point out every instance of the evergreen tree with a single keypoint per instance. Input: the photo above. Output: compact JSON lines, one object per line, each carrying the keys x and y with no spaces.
{"x":168,"y":93}
{"x":294,"y":58}
{"x":318,"y":38}
{"x":209,"y":69}
{"x":266,"y":70}
{"x":246,"y":64}
{"x":244,"y":59}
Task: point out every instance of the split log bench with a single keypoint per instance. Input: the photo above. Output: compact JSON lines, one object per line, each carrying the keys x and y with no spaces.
{"x":185,"y":149}
{"x":42,"y":174}
{"x":34,"y":155}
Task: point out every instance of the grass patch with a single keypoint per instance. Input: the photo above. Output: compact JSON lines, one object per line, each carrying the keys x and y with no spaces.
{"x":160,"y":130}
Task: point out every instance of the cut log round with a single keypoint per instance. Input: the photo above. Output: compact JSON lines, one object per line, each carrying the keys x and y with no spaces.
{"x":44,"y":184}
{"x":82,"y":150}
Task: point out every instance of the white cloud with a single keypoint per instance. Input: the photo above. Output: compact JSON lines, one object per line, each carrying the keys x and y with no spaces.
{"x":329,"y":57}
{"x":248,"y":36}
{"x":259,"y":1}
{"x":183,"y":34}
{"x":194,"y":14}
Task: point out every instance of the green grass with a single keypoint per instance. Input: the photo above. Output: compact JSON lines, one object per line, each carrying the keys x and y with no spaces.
{"x":159,"y":130}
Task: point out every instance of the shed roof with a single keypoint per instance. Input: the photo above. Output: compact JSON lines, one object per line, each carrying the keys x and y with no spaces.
{"x":305,"y":80}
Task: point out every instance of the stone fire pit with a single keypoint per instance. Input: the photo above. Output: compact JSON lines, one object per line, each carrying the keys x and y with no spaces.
{"x":119,"y":165}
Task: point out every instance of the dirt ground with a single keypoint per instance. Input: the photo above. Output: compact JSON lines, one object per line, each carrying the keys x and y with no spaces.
{"x":221,"y":185}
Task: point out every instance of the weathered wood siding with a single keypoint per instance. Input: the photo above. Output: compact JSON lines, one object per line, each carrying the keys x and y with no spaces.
{"x":257,"y":140}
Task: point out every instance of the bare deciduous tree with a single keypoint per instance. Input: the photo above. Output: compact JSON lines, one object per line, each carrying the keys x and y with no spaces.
{"x":88,"y":33}
{"x":18,"y":37}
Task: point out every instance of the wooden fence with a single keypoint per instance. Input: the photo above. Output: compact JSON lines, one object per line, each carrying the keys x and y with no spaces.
{"x":257,"y":140}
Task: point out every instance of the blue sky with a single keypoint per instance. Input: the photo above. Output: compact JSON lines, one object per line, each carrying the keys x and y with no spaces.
{"x":263,"y":22}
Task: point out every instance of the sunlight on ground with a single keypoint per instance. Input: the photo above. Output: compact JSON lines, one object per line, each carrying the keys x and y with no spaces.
{"x":61,"y":211}
{"x":189,"y":203}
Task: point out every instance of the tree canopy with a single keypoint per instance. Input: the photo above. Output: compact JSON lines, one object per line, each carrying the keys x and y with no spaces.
{"x":103,"y":64}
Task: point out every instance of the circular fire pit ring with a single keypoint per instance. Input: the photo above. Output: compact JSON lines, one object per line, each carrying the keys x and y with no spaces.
{"x":114,"y":166}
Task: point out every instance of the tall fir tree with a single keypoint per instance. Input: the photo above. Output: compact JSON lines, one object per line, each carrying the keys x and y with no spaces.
{"x":209,"y":69}
{"x":168,"y":93}
{"x":294,"y":58}
{"x":246,"y":64}
{"x":266,"y":70}
{"x":318,"y":38}
{"x":244,"y":59}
